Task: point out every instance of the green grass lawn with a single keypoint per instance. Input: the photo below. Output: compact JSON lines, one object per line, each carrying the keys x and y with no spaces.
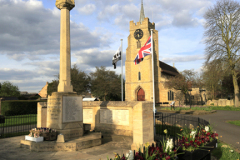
{"x":235,"y":122}
{"x":205,"y":108}
{"x":193,"y":108}
{"x":20,"y":120}
{"x":225,"y":152}
{"x":226,"y":108}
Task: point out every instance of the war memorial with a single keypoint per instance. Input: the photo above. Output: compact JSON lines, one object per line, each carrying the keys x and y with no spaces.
{"x":65,"y":112}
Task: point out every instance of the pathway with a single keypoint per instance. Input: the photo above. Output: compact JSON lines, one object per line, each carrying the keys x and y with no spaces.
{"x":230,"y":133}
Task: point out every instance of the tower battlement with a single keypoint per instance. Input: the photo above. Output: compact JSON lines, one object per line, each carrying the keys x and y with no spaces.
{"x":145,"y":24}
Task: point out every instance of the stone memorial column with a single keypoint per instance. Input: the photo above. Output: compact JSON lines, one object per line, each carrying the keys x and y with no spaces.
{"x":65,"y":56}
{"x":64,"y":108}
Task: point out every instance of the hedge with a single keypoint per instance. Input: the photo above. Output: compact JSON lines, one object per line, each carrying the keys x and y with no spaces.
{"x":18,"y":107}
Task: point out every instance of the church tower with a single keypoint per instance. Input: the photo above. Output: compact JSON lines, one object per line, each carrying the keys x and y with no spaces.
{"x":139,"y":83}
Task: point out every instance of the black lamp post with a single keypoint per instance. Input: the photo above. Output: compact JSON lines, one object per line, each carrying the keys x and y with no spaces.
{"x":190,"y":97}
{"x":200,"y":90}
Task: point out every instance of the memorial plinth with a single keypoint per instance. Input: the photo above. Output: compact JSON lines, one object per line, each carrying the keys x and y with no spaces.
{"x":65,"y":114}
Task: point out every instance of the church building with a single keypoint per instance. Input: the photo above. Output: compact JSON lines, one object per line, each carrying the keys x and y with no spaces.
{"x":139,"y":81}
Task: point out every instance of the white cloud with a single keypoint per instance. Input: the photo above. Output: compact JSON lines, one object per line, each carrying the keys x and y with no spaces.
{"x":34,"y":4}
{"x":108,"y":12}
{"x":87,"y":9}
{"x":183,"y":58}
{"x":56,"y":12}
{"x":25,"y":33}
{"x":184,"y":19}
{"x":94,"y":57}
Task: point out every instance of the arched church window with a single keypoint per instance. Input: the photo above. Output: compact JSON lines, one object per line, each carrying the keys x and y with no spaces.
{"x":170,"y":95}
{"x":139,"y":76}
{"x":138,"y":44}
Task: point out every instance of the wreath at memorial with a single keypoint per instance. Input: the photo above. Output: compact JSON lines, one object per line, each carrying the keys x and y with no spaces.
{"x":47,"y":133}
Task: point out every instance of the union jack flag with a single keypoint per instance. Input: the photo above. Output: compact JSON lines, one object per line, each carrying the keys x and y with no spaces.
{"x":144,"y":51}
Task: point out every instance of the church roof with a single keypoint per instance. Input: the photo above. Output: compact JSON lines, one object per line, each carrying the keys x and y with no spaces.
{"x":168,"y":69}
{"x":142,"y":16}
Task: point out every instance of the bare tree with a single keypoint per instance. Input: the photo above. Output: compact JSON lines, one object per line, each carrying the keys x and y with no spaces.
{"x":183,"y":82}
{"x":212,"y":77}
{"x":222,"y":29}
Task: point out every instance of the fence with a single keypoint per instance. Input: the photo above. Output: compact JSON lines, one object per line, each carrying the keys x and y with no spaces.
{"x":17,"y":125}
{"x":172,"y":122}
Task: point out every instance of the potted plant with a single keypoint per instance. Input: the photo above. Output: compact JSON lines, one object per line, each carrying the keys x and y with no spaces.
{"x":196,"y":143}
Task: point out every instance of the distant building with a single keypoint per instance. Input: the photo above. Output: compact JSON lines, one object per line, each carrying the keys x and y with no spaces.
{"x":24,"y":93}
{"x":90,"y":99}
{"x":139,"y":79}
{"x":43,"y":92}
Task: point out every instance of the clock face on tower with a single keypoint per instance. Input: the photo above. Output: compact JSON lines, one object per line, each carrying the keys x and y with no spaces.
{"x":138,"y":34}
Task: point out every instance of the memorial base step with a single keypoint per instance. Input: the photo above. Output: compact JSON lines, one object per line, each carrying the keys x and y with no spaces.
{"x":90,"y":140}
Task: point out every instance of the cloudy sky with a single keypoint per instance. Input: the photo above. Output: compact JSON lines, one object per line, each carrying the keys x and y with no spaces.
{"x":30,"y":32}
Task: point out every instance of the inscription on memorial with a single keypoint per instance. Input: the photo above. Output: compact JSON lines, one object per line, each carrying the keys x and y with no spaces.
{"x":87,"y":115}
{"x":54,"y":107}
{"x":72,"y":109}
{"x":118,"y":117}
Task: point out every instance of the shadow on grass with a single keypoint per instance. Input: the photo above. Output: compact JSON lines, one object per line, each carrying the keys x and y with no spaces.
{"x":225,"y":152}
{"x":171,"y":130}
{"x":189,"y":112}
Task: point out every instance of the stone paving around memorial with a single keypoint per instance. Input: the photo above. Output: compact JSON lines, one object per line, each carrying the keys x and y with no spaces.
{"x":10,"y":150}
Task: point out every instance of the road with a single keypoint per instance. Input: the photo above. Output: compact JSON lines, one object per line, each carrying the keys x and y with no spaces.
{"x":230,"y":133}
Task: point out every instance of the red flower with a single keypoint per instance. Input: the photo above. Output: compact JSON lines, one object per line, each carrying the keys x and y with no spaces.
{"x":123,"y":158}
{"x":206,"y":139}
{"x":161,"y":155}
{"x":168,"y":157}
{"x":216,"y":134}
{"x":151,"y":150}
{"x":138,"y":157}
{"x":175,"y":151}
{"x":198,"y":143}
{"x":187,"y":145}
{"x":208,"y":133}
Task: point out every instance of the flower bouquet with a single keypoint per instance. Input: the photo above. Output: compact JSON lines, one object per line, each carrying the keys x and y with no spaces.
{"x":196,"y":144}
{"x":48,"y":133}
{"x":165,"y":151}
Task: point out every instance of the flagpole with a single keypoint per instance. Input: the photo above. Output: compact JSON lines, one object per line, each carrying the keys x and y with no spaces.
{"x":122,"y":68}
{"x":153,"y":80}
